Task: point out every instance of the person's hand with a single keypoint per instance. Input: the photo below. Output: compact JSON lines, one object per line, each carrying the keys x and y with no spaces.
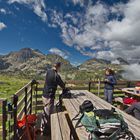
{"x":65,"y":90}
{"x":106,"y":80}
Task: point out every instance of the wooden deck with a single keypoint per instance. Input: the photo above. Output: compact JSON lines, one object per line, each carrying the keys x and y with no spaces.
{"x":29,"y":101}
{"x":72,"y":107}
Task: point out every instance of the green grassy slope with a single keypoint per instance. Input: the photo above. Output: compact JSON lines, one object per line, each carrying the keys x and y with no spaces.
{"x":9,"y":85}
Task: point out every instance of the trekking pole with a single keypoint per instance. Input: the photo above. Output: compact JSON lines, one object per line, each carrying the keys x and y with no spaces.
{"x":99,"y":87}
{"x":59,"y":104}
{"x":10,"y":111}
{"x":15,"y":100}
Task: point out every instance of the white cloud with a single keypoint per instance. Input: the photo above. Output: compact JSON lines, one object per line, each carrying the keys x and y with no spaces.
{"x":3,"y":11}
{"x":59,"y":52}
{"x":81,"y":2}
{"x":96,"y":35}
{"x":38,"y":7}
{"x":105,"y":55}
{"x":132,"y":72}
{"x":74,"y":63}
{"x":2,"y":26}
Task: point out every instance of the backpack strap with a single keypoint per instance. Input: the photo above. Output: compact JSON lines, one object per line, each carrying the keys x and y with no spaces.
{"x":76,"y":117}
{"x":79,"y":121}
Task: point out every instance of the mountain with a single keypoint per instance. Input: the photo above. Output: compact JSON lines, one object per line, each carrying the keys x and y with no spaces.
{"x":31,"y":62}
{"x":4,"y":64}
{"x":95,"y":68}
{"x":122,"y":61}
{"x":23,"y":55}
{"x":94,"y":63}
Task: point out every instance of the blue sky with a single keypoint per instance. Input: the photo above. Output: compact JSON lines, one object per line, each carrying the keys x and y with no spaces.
{"x":75,"y":29}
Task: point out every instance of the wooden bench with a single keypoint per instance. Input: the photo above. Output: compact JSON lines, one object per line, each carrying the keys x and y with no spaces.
{"x":72,"y":106}
{"x":60,"y":129}
{"x":130,"y":92}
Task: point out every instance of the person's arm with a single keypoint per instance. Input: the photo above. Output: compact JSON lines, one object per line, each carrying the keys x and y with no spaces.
{"x":112,"y":80}
{"x":60,"y":81}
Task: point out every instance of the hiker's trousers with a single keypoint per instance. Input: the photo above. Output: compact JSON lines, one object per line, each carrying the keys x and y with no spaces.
{"x":48,"y":109}
{"x":108,"y":95}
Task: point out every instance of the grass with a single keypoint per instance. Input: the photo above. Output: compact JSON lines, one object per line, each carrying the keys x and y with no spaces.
{"x":9,"y":85}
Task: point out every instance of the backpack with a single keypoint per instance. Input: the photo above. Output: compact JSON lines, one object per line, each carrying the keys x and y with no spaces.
{"x":86,"y":106}
{"x":66,"y":93}
{"x":102,"y":123}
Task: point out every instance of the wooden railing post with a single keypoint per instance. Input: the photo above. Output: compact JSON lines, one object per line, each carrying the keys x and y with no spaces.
{"x":128,"y":84}
{"x":89,"y":86}
{"x":36,"y":97}
{"x":31,"y":100}
{"x":25,"y":107}
{"x":4,"y":119}
{"x":15,"y":100}
{"x":99,"y":84}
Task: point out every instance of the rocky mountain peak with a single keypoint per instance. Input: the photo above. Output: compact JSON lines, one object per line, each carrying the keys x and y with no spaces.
{"x":23,"y":55}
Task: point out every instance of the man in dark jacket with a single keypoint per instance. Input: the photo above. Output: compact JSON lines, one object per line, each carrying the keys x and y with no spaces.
{"x":52,"y":80}
{"x":134,"y":110}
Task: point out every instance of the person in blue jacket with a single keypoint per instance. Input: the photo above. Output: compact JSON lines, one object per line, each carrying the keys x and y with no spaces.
{"x":110,"y":81}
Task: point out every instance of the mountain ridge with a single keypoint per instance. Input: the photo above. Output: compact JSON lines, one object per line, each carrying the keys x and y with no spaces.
{"x":32,"y":62}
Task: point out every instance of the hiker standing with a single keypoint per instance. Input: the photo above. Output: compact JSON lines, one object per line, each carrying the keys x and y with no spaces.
{"x":110,"y":81}
{"x":53,"y":79}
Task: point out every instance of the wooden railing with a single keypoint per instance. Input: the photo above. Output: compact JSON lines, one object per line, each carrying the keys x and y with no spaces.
{"x":21,"y":104}
{"x":93,"y":86}
{"x":120,"y":84}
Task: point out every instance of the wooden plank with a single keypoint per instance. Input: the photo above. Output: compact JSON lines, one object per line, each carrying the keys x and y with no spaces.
{"x":40,"y":107}
{"x":29,"y":91}
{"x":28,"y":111}
{"x":65,"y":130}
{"x":28,"y":107}
{"x":72,"y":109}
{"x":1,"y":118}
{"x":21,"y":102}
{"x":0,"y":133}
{"x":37,"y":96}
{"x":127,"y":90}
{"x":22,"y":90}
{"x":55,"y":128}
{"x":21,"y":113}
{"x":28,"y":100}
